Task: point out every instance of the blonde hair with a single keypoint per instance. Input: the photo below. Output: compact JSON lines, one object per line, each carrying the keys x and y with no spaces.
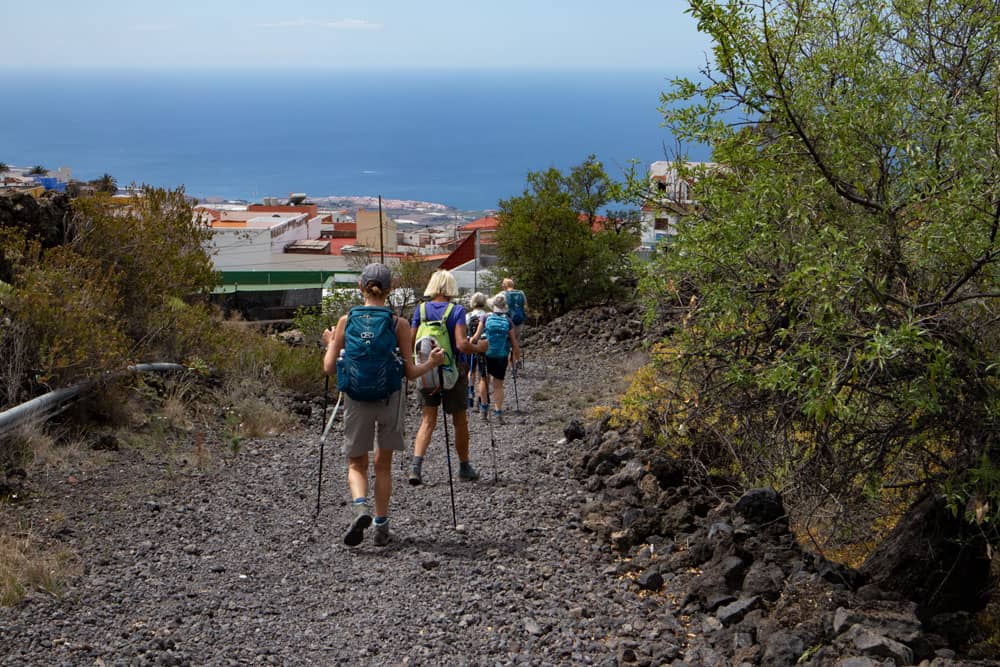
{"x":442,"y":283}
{"x":477,"y":300}
{"x":508,"y":283}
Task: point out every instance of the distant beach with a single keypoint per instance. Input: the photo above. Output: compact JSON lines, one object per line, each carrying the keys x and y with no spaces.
{"x":461,"y":139}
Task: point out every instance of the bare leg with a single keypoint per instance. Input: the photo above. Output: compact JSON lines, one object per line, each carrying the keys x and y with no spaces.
{"x":497,"y":394}
{"x":428,"y":421}
{"x":482,"y":391}
{"x":357,"y":475}
{"x":383,"y":481}
{"x":461,"y":422}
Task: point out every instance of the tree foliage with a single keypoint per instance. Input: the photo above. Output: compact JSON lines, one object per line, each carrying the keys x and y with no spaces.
{"x":106,"y":184}
{"x":844,"y":257}
{"x":96,"y":283}
{"x":558,"y":246}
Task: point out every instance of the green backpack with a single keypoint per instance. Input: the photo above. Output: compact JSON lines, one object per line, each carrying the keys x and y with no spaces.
{"x":431,"y":334}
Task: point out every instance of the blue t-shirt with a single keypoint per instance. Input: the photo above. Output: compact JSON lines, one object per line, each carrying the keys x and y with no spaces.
{"x":435,"y":309}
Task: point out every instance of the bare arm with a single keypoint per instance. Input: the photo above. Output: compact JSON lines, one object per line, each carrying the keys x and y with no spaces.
{"x":336,"y":337}
{"x":404,"y":338}
{"x":478,"y":335}
{"x":466,"y":345}
{"x":515,"y":348}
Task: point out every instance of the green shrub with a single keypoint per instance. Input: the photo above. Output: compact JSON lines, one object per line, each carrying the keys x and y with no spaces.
{"x":842,"y":261}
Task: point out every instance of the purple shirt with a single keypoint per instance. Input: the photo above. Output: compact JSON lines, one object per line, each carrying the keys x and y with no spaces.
{"x":435,"y":309}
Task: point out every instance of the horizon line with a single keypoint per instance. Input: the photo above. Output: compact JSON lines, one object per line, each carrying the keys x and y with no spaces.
{"x":332,"y":68}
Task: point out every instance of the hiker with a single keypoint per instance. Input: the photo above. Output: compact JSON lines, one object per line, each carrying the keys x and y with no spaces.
{"x":503,"y":347}
{"x":517,"y":303}
{"x":364,"y":418}
{"x":441,"y":288}
{"x":475,"y":320}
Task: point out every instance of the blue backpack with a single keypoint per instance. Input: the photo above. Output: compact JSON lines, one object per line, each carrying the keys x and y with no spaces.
{"x":515,"y":302}
{"x":496,"y":329}
{"x":370,"y":367}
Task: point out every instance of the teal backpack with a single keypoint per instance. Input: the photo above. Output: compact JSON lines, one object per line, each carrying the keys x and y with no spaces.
{"x":496,"y":332}
{"x":515,"y":302}
{"x":431,"y":334}
{"x":370,"y":367}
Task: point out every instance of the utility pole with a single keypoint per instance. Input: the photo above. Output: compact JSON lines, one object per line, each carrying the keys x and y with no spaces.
{"x":381,"y":245}
{"x":475,"y":266}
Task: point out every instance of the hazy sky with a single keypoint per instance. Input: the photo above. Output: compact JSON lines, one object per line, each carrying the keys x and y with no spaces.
{"x":542,"y":34}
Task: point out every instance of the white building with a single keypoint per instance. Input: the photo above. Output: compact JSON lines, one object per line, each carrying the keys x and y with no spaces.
{"x":670,"y":197}
{"x":249,"y":240}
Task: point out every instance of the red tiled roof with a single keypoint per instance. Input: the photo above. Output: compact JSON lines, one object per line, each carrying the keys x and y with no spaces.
{"x":337,"y":244}
{"x":488,"y":222}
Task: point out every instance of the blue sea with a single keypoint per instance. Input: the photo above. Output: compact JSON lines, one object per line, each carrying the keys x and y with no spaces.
{"x":462,"y":138}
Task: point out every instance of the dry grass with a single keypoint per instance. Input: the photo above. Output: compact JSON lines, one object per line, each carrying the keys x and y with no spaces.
{"x":34,"y":446}
{"x":28,"y":566}
{"x":50,"y":454}
{"x":257,"y":419}
{"x":176,"y":407}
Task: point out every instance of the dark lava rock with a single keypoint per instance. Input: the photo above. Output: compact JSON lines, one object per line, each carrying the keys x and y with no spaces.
{"x":760,"y":506}
{"x":650,"y":580}
{"x":574,"y":430}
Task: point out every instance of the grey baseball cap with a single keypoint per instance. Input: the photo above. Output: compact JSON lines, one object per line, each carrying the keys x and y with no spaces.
{"x":378,"y":274}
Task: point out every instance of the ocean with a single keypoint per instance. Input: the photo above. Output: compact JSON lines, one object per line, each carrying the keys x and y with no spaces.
{"x":462,"y":138}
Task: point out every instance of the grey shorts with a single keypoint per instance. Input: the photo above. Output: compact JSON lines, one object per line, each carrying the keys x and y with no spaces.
{"x":456,"y":399}
{"x":364,"y":420}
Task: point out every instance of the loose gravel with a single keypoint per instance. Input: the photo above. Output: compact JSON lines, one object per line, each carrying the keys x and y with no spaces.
{"x":221,"y":563}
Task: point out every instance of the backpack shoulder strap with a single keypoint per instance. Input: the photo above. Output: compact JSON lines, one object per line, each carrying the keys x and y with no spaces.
{"x":447,"y":312}
{"x":423,"y":311}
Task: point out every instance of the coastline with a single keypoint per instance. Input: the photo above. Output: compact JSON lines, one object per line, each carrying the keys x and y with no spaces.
{"x":403,"y":210}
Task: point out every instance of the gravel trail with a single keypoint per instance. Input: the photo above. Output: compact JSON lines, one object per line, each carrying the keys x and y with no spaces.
{"x":220,"y":563}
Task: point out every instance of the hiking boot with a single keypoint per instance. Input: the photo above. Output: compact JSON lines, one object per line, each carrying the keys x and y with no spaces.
{"x":380,"y":534}
{"x":467,"y":472}
{"x":356,"y":531}
{"x":498,"y":417}
{"x":484,"y":412}
{"x":415,"y":478}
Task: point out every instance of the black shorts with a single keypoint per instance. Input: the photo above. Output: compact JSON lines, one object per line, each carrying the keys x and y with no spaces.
{"x":456,"y":399}
{"x":496,"y":367}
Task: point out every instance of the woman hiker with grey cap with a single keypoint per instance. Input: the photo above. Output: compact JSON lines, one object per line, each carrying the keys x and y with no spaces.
{"x":363,"y":418}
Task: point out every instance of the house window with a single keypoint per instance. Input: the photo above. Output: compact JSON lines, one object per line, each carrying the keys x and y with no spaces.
{"x":661,"y":224}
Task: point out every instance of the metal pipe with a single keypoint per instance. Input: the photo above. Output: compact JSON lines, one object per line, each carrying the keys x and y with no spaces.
{"x":51,"y":404}
{"x":44,"y":406}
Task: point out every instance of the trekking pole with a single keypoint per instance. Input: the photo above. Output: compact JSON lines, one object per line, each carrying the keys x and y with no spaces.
{"x":322,"y":441}
{"x":472,"y":383}
{"x":326,"y":400}
{"x":493,"y":442}
{"x":517,"y":405}
{"x":447,"y":449}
